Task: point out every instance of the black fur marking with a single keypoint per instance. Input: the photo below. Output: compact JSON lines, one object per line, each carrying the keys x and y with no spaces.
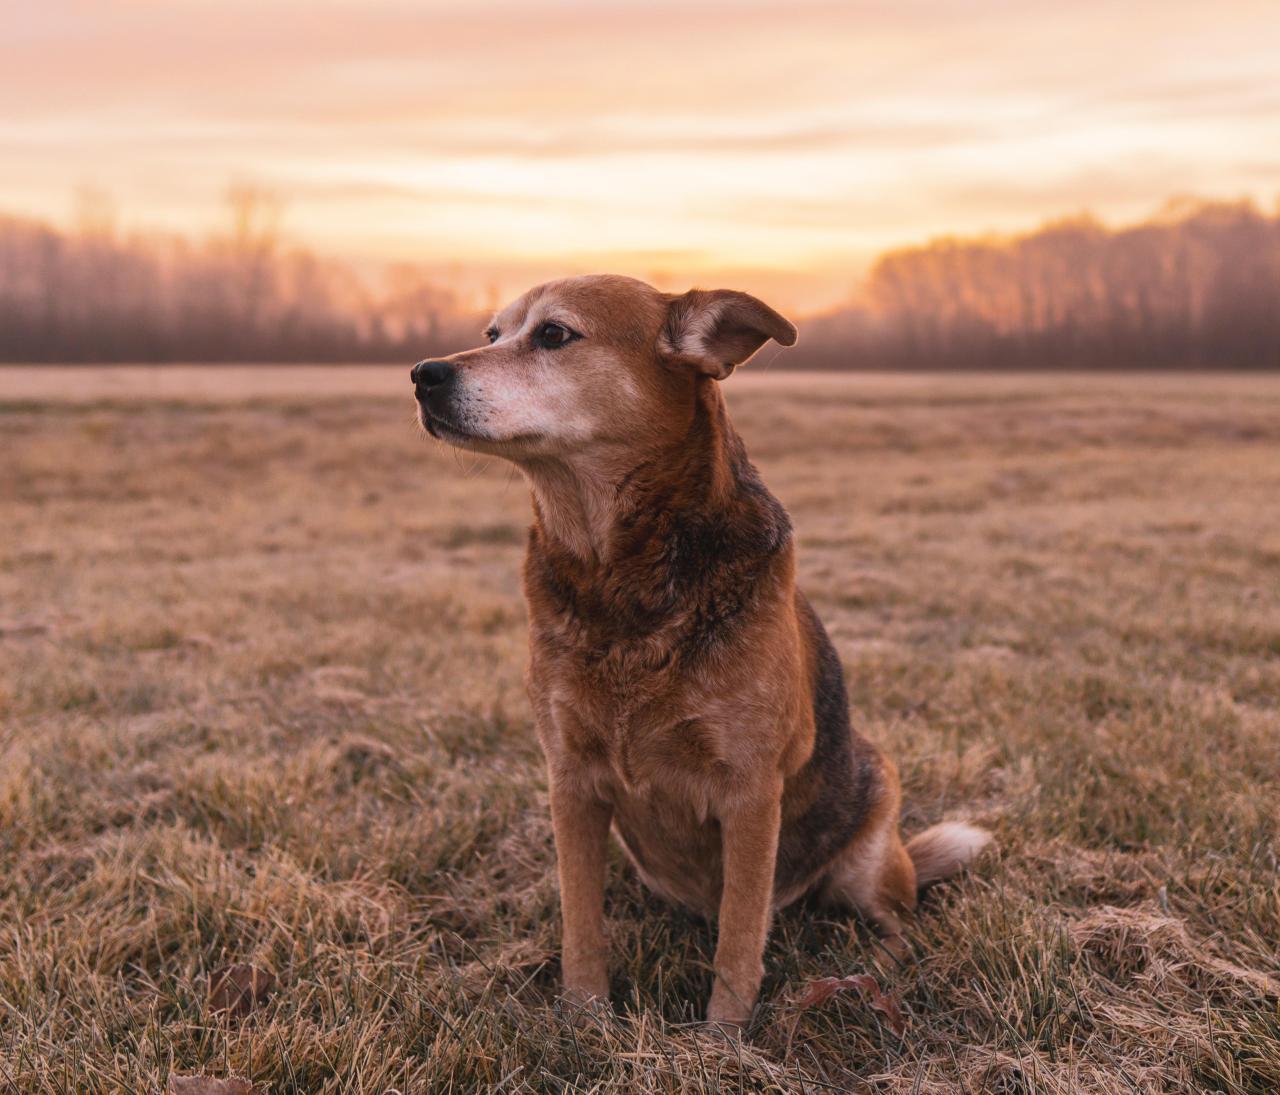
{"x":676,"y":555}
{"x":842,"y":767}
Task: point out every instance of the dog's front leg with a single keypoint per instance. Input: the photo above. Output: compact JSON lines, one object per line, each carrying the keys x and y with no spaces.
{"x":581,"y":826}
{"x":749,"y":835}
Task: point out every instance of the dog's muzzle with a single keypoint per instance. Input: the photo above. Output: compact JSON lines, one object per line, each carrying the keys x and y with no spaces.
{"x":430,"y":374}
{"x":433,"y":385}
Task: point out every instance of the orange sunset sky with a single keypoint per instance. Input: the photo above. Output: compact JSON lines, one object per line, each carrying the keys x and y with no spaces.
{"x":781,"y":146}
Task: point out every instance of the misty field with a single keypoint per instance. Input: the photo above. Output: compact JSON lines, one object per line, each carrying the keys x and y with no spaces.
{"x":261,"y":702}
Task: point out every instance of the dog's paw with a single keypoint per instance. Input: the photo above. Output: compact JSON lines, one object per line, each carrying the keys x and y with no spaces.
{"x":726,"y":1031}
{"x":584,"y":1009}
{"x":895,"y":948}
{"x":727,"y":1017}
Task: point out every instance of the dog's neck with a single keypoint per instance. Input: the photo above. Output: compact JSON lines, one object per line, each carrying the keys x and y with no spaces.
{"x":574,"y":506}
{"x":588,"y":505}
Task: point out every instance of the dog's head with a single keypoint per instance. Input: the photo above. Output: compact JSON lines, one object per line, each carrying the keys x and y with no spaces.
{"x":587,"y":362}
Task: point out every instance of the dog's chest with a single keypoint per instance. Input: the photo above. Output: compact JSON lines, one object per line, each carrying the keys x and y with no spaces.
{"x":634,"y":730}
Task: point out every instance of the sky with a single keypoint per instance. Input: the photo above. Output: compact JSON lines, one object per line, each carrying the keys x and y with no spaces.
{"x":776,"y":146}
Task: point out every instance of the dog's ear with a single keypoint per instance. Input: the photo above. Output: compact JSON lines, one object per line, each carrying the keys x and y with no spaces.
{"x":713,"y":330}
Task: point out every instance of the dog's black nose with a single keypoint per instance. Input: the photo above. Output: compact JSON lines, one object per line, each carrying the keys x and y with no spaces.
{"x":430,"y":374}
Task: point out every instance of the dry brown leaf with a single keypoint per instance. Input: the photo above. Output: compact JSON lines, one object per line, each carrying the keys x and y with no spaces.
{"x":209,"y":1085}
{"x":237,"y":990}
{"x":824,"y":988}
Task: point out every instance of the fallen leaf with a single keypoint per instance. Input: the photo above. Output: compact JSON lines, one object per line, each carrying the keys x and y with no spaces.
{"x":238,"y":989}
{"x":209,"y":1085}
{"x":824,"y":988}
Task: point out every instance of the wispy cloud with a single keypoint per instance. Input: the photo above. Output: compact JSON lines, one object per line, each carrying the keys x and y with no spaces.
{"x":740,"y":134}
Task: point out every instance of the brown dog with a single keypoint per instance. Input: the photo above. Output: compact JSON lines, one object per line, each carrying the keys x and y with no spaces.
{"x":683,"y":688}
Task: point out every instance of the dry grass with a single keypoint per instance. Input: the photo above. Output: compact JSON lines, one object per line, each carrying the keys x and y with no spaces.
{"x":260,"y":690}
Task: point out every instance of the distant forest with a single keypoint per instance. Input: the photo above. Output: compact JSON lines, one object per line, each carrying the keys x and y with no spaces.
{"x":241,"y":295}
{"x":1196,"y":286}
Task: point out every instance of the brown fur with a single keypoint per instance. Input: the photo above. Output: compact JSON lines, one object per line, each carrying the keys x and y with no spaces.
{"x":683,"y":689}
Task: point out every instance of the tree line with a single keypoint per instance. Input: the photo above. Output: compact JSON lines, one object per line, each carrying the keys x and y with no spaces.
{"x":1196,"y":286}
{"x":92,"y":294}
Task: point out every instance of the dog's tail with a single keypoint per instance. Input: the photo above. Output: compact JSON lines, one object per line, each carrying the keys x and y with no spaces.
{"x":944,"y":849}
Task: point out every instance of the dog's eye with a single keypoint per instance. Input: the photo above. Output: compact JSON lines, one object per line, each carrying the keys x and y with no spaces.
{"x":551,"y":335}
{"x":492,"y":334}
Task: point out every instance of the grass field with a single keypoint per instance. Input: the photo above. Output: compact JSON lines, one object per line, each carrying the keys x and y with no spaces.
{"x":261,"y":701}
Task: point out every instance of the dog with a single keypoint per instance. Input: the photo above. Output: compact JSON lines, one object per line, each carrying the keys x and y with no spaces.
{"x":684,"y":692}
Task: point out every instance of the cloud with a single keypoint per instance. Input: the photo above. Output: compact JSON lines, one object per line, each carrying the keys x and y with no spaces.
{"x":729,"y":133}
